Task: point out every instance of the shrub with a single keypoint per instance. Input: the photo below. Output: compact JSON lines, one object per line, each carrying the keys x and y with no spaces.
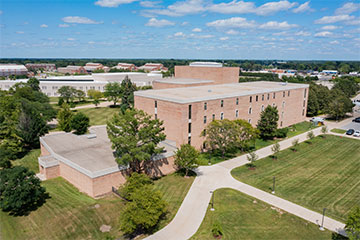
{"x":80,"y":123}
{"x":216,"y":230}
{"x":281,"y":132}
{"x":60,"y":101}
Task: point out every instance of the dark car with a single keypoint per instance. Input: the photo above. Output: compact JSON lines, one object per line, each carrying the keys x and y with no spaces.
{"x":350,"y":132}
{"x":356,"y":120}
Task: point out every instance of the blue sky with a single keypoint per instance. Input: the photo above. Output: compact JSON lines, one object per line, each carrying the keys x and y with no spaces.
{"x":226,"y":29}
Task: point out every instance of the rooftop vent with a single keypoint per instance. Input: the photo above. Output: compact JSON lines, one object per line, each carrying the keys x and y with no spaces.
{"x":209,"y":90}
{"x":91,"y":136}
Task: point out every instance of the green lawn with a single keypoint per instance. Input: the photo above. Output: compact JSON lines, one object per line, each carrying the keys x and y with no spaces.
{"x":294,"y":130}
{"x":99,"y":116}
{"x":69,"y":214}
{"x":30,"y":160}
{"x":243,"y":217}
{"x":336,"y":130}
{"x":324,"y":174}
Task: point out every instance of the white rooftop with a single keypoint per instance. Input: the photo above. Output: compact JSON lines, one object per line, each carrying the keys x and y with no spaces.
{"x":205,"y":64}
{"x":183,"y":80}
{"x":213,"y":92}
{"x":12,"y":67}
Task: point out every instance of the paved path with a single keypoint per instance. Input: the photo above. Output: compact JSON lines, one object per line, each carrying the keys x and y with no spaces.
{"x":209,"y":178}
{"x":101,"y":104}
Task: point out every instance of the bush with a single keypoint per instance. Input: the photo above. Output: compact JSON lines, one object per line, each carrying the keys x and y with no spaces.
{"x":80,"y":123}
{"x":135,"y":181}
{"x":216,"y":230}
{"x":60,"y":101}
{"x":281,"y":132}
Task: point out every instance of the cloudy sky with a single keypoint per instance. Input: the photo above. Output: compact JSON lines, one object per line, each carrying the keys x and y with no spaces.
{"x":226,"y":29}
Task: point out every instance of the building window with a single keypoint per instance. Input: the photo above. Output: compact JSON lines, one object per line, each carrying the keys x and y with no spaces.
{"x":221,"y":116}
{"x":237,"y":113}
{"x":304,"y":103}
{"x":274,"y":95}
{"x":250,"y":98}
{"x":283,"y":93}
{"x":249,"y":110}
{"x":288,"y":93}
{"x":204,"y":119}
{"x":237,"y":101}
{"x":189,"y":111}
{"x":205,"y":106}
{"x":249,"y":120}
{"x":189,"y":140}
{"x":222,"y":103}
{"x":305,"y":93}
{"x":189,"y":128}
{"x":155,"y":104}
{"x":262,"y":97}
{"x":283,"y":104}
{"x":274,"y":105}
{"x":155,"y":116}
{"x":282,"y":114}
{"x":303,"y":112}
{"x":213,"y":117}
{"x":262,"y":108}
{"x":257,"y":97}
{"x":281,"y":124}
{"x":268,"y":96}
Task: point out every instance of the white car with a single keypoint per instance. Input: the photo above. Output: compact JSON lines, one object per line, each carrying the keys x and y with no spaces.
{"x":356,"y":134}
{"x":317,"y":119}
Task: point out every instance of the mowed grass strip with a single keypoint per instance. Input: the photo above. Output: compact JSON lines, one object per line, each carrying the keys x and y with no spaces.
{"x":30,"y":160}
{"x":69,"y":214}
{"x":324,"y":174}
{"x":99,"y":116}
{"x":243,"y":217}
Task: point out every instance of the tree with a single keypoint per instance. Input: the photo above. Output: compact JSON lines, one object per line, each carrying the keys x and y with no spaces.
{"x":20,"y":191}
{"x":143,"y":212}
{"x":135,"y":136}
{"x":80,"y":123}
{"x":96,"y":95}
{"x":267,"y":124}
{"x":275,"y":149}
{"x":246,"y":134}
{"x":252,"y":157}
{"x":127,"y":93}
{"x":135,"y":181}
{"x":295,"y":144}
{"x":310,"y":135}
{"x":312,"y":104}
{"x":64,"y":117}
{"x":186,"y":157}
{"x":34,"y":83}
{"x":324,"y":130}
{"x":80,"y":95}
{"x":67,"y":93}
{"x":352,"y":226}
{"x":113,"y":92}
{"x":339,"y":105}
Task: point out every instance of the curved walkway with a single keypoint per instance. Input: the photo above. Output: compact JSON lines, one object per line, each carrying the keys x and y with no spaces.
{"x":209,"y":178}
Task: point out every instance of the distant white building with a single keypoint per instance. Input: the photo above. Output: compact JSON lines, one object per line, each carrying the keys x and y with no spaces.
{"x":39,"y":66}
{"x":329,"y":72}
{"x":12,"y":69}
{"x":96,"y":81}
{"x":149,"y":67}
{"x":126,"y":66}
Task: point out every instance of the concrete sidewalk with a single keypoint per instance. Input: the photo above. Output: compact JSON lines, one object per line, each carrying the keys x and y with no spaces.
{"x":209,"y":178}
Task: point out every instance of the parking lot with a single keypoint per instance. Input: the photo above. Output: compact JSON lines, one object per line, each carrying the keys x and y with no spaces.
{"x":353,"y":125}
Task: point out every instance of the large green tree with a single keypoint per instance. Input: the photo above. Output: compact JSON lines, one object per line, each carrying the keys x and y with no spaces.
{"x":268,"y":122}
{"x":127,"y":93}
{"x":339,"y":105}
{"x":135,"y":136}
{"x":352,"y":226}
{"x":135,"y":181}
{"x":186,"y":158}
{"x":113,"y":92}
{"x":67,"y":93}
{"x":64,"y":117}
{"x":80,"y":123}
{"x":20,"y":191}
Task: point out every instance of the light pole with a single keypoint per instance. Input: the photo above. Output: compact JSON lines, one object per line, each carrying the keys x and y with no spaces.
{"x":273,"y":190}
{"x":322,"y":223}
{"x":212,"y":201}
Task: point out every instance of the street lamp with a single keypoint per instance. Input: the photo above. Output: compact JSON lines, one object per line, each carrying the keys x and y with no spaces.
{"x":212,"y":201}
{"x":273,"y":190}
{"x":322,"y":223}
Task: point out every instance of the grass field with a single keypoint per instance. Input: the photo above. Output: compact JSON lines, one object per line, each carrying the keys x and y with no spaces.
{"x":69,"y":214}
{"x":296,"y":129}
{"x":30,"y":160}
{"x":99,"y":116}
{"x":324,"y":174}
{"x":243,"y":217}
{"x":336,"y":130}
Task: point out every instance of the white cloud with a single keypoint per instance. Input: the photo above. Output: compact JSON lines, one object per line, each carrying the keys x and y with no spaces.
{"x":91,"y":42}
{"x":348,"y":8}
{"x":303,"y":8}
{"x":201,"y":36}
{"x":334,"y":42}
{"x":283,"y":33}
{"x":234,"y":22}
{"x":179,"y":34}
{"x":79,"y":20}
{"x":149,"y":4}
{"x":323,"y":34}
{"x":112,"y":3}
{"x":329,"y":27}
{"x":184,"y":23}
{"x":180,"y":8}
{"x":20,"y":32}
{"x":277,"y":25}
{"x":233,"y":7}
{"x":71,"y":39}
{"x":273,"y":7}
{"x":353,"y":22}
{"x":224,"y":38}
{"x":64,"y":25}
{"x":153,"y":22}
{"x":43,"y":26}
{"x":333,"y":19}
{"x":303,"y":33}
{"x":197,"y":30}
{"x":232,"y":32}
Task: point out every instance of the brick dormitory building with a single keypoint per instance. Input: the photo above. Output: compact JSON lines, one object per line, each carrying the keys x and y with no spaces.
{"x":198,"y":94}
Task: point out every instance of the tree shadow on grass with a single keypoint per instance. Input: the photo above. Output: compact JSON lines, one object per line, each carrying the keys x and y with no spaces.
{"x":336,"y":236}
{"x":26,"y":210}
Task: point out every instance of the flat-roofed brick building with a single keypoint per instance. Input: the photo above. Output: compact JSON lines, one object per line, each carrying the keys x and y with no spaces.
{"x":187,"y":111}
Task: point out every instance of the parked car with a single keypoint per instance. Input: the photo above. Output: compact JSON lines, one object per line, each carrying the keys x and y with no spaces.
{"x":350,"y":132}
{"x":356,"y":134}
{"x":317,"y":119}
{"x":357,"y":120}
